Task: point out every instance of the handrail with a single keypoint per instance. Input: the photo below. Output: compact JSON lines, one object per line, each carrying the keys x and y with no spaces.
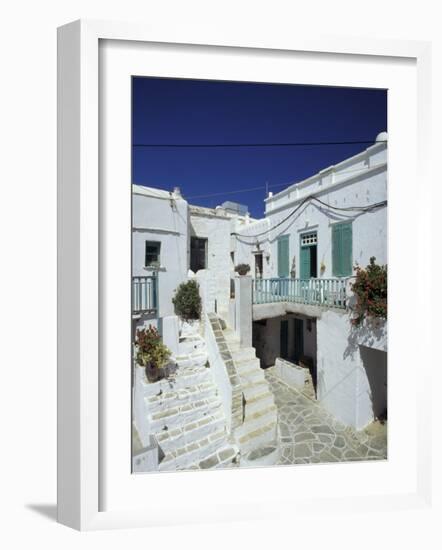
{"x":145,"y":294}
{"x":320,"y":292}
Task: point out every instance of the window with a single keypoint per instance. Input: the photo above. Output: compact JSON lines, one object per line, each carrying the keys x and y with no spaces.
{"x":308,"y":239}
{"x":342,"y":249}
{"x":198,"y":254}
{"x":152,"y":254}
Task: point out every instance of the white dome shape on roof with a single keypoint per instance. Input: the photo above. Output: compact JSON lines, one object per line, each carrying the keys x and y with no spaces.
{"x":382,"y":136}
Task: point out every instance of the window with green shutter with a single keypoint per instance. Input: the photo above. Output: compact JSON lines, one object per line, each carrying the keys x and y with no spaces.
{"x":342,"y":249}
{"x":283,"y":256}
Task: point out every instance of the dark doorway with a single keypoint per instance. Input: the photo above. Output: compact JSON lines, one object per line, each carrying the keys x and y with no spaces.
{"x":258,"y":266}
{"x":299,"y":339}
{"x":284,"y":340}
{"x":198,"y":254}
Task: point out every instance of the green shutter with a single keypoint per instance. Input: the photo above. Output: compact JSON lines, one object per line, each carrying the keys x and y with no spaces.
{"x":283,"y":256}
{"x":347,"y":250}
{"x":342,"y":249}
{"x":305,"y":262}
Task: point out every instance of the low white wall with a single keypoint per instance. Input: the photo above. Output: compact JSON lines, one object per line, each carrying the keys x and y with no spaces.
{"x":140,"y":412}
{"x":219,"y":371}
{"x":243,"y":309}
{"x":291,"y":374}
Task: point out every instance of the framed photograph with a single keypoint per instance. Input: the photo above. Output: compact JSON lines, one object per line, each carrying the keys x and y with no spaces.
{"x":231,"y":276}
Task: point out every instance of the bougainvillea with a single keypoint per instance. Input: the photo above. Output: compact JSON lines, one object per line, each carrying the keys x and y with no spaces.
{"x":370,"y":288}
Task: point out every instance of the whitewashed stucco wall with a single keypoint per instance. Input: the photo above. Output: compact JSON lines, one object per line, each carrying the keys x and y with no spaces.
{"x":162,"y":219}
{"x":215,"y":227}
{"x":244,"y":244}
{"x":359,"y":181}
{"x":346,"y":380}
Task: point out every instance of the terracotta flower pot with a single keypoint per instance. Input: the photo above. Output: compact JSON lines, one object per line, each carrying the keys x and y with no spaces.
{"x":153,"y":373}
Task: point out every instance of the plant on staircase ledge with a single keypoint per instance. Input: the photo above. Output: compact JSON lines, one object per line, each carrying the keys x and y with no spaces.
{"x":187,"y":301}
{"x":242,"y":269}
{"x":151,"y":353}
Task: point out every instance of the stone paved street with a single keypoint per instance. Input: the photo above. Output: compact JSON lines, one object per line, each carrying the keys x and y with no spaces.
{"x":309,"y":434}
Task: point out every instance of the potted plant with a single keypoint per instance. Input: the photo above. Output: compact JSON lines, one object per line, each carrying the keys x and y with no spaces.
{"x":151,"y":353}
{"x":187,"y":301}
{"x":242,"y":269}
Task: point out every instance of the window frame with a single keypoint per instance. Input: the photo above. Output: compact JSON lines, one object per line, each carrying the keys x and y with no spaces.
{"x":152,"y":265}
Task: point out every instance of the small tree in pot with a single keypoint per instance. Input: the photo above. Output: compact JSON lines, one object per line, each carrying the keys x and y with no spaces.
{"x":151,"y":353}
{"x":187,"y":301}
{"x":242,"y":269}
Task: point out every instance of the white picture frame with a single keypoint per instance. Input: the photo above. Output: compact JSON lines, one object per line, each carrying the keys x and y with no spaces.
{"x":80,"y":396}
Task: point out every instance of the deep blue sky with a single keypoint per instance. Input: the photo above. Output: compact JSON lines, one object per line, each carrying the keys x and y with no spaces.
{"x":173,"y":111}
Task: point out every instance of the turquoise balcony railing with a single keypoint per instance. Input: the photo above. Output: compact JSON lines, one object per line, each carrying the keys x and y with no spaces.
{"x":318,"y":292}
{"x":145,"y":294}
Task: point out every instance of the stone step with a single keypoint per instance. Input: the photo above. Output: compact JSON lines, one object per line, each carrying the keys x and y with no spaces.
{"x":256,"y":420}
{"x":250,"y":370}
{"x":243,"y":354}
{"x":188,"y":380}
{"x":197,"y":359}
{"x":260,"y":437}
{"x":227,"y":457}
{"x":191,"y":344}
{"x":185,"y":434}
{"x":258,"y":388}
{"x":258,"y":402}
{"x":176,"y":416}
{"x":179,"y":380}
{"x":196,"y":452}
{"x":180,"y":396}
{"x":230,"y":336}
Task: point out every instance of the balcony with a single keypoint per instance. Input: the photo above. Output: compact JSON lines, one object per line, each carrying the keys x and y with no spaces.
{"x":145,"y":295}
{"x":315,"y":292}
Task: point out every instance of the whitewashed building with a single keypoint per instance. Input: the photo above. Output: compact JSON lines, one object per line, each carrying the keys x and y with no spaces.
{"x":294,"y":308}
{"x":313,"y":234}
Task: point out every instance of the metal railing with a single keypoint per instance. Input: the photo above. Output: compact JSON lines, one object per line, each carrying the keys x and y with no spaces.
{"x":319,"y":292}
{"x":145,"y":294}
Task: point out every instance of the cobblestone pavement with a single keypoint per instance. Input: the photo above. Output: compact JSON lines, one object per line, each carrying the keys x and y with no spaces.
{"x":309,"y":434}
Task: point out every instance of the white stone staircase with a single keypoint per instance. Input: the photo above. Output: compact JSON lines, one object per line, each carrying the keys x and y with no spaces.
{"x":185,"y":414}
{"x":257,"y":436}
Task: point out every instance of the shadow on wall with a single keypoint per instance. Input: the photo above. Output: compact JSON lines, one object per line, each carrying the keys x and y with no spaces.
{"x":352,"y":346}
{"x":375,"y":365}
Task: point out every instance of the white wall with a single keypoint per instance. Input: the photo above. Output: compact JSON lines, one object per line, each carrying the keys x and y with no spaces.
{"x":158,"y":218}
{"x":214,"y":226}
{"x":244,"y":245}
{"x":346,"y":384}
{"x":358,"y":181}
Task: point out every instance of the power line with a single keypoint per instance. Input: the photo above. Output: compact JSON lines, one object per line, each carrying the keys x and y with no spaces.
{"x":245,"y":190}
{"x":288,"y":144}
{"x":310,"y":198}
{"x":267,"y":186}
